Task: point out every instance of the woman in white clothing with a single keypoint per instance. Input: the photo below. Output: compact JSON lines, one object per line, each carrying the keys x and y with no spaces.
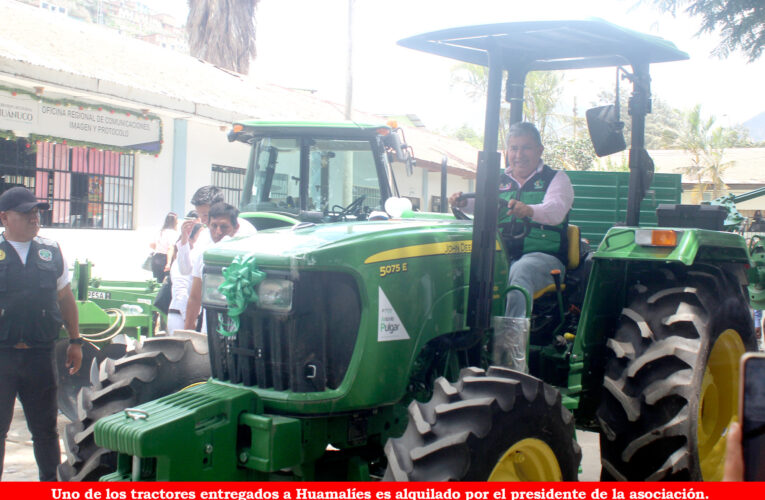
{"x":181,"y":283}
{"x":164,"y":247}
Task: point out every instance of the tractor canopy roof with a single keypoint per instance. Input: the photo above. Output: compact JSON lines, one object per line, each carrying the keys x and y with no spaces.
{"x":548,"y":45}
{"x":246,"y":130}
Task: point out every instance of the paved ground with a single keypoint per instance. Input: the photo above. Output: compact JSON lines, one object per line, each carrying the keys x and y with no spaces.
{"x":20,"y":461}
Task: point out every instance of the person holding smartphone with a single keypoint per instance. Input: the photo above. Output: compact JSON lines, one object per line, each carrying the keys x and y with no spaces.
{"x":745,"y":445}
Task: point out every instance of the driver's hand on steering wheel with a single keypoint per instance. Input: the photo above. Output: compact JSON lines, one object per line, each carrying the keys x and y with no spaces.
{"x":456,"y":201}
{"x":519,"y":209}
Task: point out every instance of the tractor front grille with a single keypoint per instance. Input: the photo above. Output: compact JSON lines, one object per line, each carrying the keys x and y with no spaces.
{"x":305,"y":350}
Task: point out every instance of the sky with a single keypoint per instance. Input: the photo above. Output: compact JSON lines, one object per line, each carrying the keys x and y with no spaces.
{"x":302,"y":44}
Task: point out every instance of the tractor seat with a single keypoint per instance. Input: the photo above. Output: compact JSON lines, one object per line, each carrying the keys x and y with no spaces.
{"x":574,"y":259}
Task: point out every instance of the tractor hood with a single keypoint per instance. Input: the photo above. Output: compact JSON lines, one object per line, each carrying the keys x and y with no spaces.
{"x":346,"y":244}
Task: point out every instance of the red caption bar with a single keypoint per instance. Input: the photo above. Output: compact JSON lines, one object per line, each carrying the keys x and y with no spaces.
{"x":380,"y":491}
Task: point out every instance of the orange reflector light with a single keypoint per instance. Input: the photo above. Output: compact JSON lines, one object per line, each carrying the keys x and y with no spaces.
{"x":656,"y":237}
{"x":238,"y":128}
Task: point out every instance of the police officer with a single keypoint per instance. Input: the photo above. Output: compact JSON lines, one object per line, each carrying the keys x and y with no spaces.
{"x":35,"y":298}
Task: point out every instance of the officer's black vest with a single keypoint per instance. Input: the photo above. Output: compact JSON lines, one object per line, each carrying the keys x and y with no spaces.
{"x":29,"y":311}
{"x":543,"y":238}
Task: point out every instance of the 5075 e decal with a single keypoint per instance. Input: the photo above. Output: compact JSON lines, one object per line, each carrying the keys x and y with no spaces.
{"x":393,"y":268}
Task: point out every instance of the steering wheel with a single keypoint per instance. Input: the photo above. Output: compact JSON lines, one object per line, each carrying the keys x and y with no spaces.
{"x":353,"y":208}
{"x":457,"y":211}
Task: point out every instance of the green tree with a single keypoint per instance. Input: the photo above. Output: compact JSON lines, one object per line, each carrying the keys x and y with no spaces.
{"x":706,"y":145}
{"x":662,"y":126}
{"x":569,"y":154}
{"x":222,"y":32}
{"x":541,"y":94}
{"x":467,"y":134}
{"x":741,"y":23}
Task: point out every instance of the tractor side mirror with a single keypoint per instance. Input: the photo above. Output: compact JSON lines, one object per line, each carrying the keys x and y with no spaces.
{"x":398,"y":150}
{"x":605,"y":130}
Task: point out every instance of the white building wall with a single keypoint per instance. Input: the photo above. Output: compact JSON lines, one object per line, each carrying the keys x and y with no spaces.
{"x":153,"y":175}
{"x":208,"y":145}
{"x":118,"y":254}
{"x":423,"y":186}
{"x":454,"y":183}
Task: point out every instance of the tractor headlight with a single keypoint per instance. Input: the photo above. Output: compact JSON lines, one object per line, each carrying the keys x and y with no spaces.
{"x":275,"y":295}
{"x":210,"y":293}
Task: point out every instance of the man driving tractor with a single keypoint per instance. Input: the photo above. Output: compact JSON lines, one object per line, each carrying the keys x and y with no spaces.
{"x":533,"y":227}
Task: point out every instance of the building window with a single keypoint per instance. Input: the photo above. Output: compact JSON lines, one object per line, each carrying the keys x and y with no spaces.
{"x":86,"y":188}
{"x":415,"y":202}
{"x":435,"y":204}
{"x":230,"y":180}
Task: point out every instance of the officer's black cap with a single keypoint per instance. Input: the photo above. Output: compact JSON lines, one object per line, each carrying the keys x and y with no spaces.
{"x":20,"y":199}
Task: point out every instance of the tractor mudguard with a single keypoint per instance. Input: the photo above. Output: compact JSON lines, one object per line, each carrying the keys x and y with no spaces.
{"x":615,"y":264}
{"x":684,"y":245}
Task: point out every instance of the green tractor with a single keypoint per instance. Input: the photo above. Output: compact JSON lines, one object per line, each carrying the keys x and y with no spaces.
{"x":347,"y":347}
{"x":125,"y":362}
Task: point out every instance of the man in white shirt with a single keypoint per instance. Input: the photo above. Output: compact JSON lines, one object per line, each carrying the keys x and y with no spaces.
{"x":223,"y":222}
{"x":534,"y":226}
{"x":204,"y":198}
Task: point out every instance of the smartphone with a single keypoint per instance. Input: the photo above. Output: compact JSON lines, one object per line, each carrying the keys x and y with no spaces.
{"x":752,"y":414}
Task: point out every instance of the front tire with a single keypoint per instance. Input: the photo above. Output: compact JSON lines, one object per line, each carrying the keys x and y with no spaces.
{"x":670,"y":388}
{"x":498,"y":425}
{"x":159,"y":366}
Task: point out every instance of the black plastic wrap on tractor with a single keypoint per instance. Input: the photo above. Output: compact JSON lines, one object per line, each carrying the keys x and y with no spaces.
{"x":305,"y":350}
{"x":696,"y":216}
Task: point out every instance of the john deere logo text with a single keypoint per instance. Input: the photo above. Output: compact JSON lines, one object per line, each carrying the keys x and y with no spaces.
{"x":458,"y":247}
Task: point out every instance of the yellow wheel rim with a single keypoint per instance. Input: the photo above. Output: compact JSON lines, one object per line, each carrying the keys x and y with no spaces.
{"x":718,"y":402}
{"x":193,"y":385}
{"x":530,"y":459}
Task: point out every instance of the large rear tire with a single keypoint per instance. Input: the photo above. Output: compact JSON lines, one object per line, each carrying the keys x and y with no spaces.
{"x":671,"y":377}
{"x":499,"y":425}
{"x":159,"y":366}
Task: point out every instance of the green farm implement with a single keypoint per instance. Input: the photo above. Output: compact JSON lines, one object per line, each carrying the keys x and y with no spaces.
{"x":112,"y":314}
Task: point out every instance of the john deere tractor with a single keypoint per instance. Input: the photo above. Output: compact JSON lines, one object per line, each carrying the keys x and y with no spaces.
{"x":349,"y":343}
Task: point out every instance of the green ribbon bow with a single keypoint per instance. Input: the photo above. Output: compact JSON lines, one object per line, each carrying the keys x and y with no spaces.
{"x":241,"y":279}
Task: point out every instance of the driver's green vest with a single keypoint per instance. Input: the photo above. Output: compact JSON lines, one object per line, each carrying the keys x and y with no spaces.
{"x":540,"y":238}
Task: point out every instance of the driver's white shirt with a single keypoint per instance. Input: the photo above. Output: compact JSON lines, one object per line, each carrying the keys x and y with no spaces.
{"x":558,"y":200}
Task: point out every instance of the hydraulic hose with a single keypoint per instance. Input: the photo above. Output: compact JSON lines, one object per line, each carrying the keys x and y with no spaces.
{"x":109,"y":333}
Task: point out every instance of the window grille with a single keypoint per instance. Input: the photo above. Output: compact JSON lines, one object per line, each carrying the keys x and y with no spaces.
{"x":230,"y":180}
{"x":86,"y":187}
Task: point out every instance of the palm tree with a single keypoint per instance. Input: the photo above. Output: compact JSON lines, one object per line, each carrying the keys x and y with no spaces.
{"x":706,"y":147}
{"x":222,"y":32}
{"x":542,"y":92}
